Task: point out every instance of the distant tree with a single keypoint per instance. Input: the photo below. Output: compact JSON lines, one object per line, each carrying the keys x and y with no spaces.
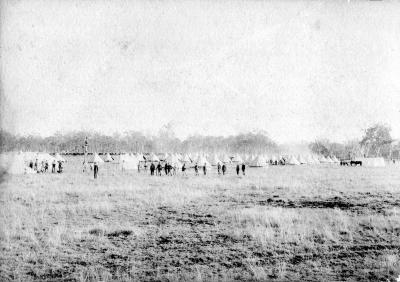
{"x":320,"y":147}
{"x":377,"y":140}
{"x":352,"y":149}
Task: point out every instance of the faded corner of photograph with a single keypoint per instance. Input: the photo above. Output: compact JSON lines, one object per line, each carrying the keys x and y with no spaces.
{"x":193,"y":140}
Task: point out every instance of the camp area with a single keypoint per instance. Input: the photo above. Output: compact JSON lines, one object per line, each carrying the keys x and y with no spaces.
{"x":273,"y":223}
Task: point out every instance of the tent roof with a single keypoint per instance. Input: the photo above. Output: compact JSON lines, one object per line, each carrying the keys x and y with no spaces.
{"x":258,"y":161}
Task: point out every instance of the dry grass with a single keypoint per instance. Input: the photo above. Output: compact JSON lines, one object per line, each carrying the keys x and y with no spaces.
{"x":281,"y":223}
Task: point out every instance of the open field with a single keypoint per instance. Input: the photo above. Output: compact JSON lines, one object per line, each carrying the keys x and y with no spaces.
{"x":281,"y":223}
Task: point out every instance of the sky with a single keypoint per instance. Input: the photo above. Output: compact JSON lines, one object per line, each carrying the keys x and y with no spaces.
{"x":299,"y":70}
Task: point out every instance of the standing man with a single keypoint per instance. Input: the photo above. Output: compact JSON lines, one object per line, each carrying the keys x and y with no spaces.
{"x":96,"y":170}
{"x":243,"y":169}
{"x":184,"y":169}
{"x":219,"y":168}
{"x":223,"y":169}
{"x":166,"y":168}
{"x":53,"y":166}
{"x":204,"y":169}
{"x":196,"y":169}
{"x":237,"y":169}
{"x":152,"y":168}
{"x":159,"y":168}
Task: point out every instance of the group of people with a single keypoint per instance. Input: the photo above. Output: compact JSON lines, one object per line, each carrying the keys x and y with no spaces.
{"x":157,"y":169}
{"x":43,"y":166}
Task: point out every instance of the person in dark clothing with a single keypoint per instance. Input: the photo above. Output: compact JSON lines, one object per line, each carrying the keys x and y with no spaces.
{"x":237,"y":169}
{"x":223,"y":169}
{"x":53,"y":167}
{"x":243,"y":169}
{"x":31,"y":164}
{"x":219,"y":168}
{"x":196,"y":169}
{"x":95,"y":170}
{"x":59,"y":167}
{"x":152,"y":168}
{"x":159,"y":168}
{"x":36,"y":165}
{"x":166,"y":168}
{"x":46,"y":166}
{"x":205,"y":169}
{"x":184,"y":169}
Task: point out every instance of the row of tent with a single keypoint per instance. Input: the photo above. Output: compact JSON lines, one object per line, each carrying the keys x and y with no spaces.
{"x":178,"y":160}
{"x":18,"y":162}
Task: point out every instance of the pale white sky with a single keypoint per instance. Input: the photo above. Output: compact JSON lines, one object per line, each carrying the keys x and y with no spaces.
{"x":298,"y":69}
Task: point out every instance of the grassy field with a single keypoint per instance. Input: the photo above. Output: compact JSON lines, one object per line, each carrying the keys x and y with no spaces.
{"x":282,"y":223}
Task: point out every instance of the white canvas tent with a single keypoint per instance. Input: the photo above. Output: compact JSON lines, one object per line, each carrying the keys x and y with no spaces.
{"x":186,"y":159}
{"x":201,"y":160}
{"x":226,"y":159}
{"x":329,"y":160}
{"x":95,"y":158}
{"x":128,"y":162}
{"x":108,"y":158}
{"x":322,"y":159}
{"x":173,"y":160}
{"x":292,"y":161}
{"x":237,"y":159}
{"x":316,"y":160}
{"x":140,"y":157}
{"x":153,"y":158}
{"x":258,"y":161}
{"x":335,"y":160}
{"x":215,"y":160}
{"x":59,"y":158}
{"x":301,"y":159}
{"x":372,"y":162}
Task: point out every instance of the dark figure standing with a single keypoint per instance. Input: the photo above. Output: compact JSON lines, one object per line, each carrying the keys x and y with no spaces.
{"x":152,"y":168}
{"x":46,"y":166}
{"x":219,"y":168}
{"x":204,"y":169}
{"x":166,"y":168}
{"x":237,"y":169}
{"x":96,"y":170}
{"x":59,"y":167}
{"x":244,"y":169}
{"x":223,"y":169}
{"x":184,"y":169}
{"x":53,"y":167}
{"x":196,"y":169}
{"x":159,"y":168}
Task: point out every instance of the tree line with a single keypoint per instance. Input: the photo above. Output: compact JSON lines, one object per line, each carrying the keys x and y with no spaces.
{"x":376,"y":141}
{"x":133,"y":141}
